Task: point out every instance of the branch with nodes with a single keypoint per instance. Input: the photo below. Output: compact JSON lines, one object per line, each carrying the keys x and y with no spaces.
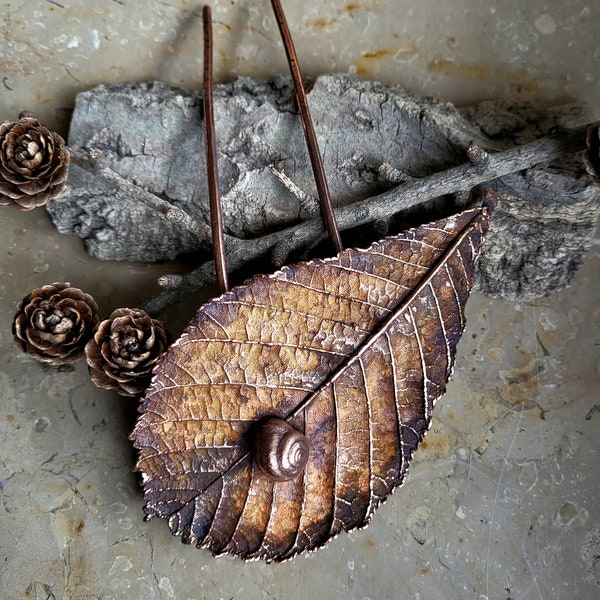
{"x":482,"y":167}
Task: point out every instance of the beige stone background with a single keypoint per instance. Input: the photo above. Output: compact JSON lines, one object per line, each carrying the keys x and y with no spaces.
{"x":502,"y":501}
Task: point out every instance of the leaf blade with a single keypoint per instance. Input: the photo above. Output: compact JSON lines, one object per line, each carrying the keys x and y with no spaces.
{"x":351,"y":343}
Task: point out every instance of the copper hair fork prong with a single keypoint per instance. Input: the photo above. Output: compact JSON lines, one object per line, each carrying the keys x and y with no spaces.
{"x":216,"y":220}
{"x":309,"y":130}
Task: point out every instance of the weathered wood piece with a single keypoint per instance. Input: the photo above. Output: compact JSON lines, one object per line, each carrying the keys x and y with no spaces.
{"x":137,"y":189}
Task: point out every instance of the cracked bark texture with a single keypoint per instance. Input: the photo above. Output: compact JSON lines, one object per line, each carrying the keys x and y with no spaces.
{"x":372,"y":138}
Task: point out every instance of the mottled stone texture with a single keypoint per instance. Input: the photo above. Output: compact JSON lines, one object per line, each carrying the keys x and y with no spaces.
{"x":371,"y":137}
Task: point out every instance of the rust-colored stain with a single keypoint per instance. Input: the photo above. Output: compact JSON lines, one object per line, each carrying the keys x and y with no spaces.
{"x":368,"y":63}
{"x":377,"y":53}
{"x":17,"y":67}
{"x":482,"y":73}
{"x":41,"y":99}
{"x":368,"y":544}
{"x":527,"y":87}
{"x":446,"y":67}
{"x":351,"y":7}
{"x":10,"y":418}
{"x":13,"y":40}
{"x":436,"y":442}
{"x":515,"y":394}
{"x":322,"y":23}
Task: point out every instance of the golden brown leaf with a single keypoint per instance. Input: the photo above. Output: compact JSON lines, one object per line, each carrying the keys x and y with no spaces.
{"x":352,"y":351}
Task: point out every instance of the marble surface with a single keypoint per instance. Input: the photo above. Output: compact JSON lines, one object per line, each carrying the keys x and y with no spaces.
{"x":502,"y":500}
{"x":461,"y":51}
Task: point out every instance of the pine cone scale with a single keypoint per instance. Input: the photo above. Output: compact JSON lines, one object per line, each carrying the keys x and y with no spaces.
{"x":34,"y":164}
{"x":8,"y":188}
{"x":124,"y":350}
{"x":53,"y":323}
{"x":34,"y":187}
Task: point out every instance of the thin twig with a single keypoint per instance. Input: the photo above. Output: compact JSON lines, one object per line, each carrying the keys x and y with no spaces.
{"x":416,"y":191}
{"x":309,"y":130}
{"x":214,"y":196}
{"x":308,"y":203}
{"x":93,"y":160}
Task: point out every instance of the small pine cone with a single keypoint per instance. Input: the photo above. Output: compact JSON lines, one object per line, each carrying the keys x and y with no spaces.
{"x":34,"y":164}
{"x":54,"y":323}
{"x":124,"y":349}
{"x":591,"y":157}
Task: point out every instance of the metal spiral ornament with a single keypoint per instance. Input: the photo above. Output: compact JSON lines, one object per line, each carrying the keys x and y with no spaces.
{"x":279,"y":450}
